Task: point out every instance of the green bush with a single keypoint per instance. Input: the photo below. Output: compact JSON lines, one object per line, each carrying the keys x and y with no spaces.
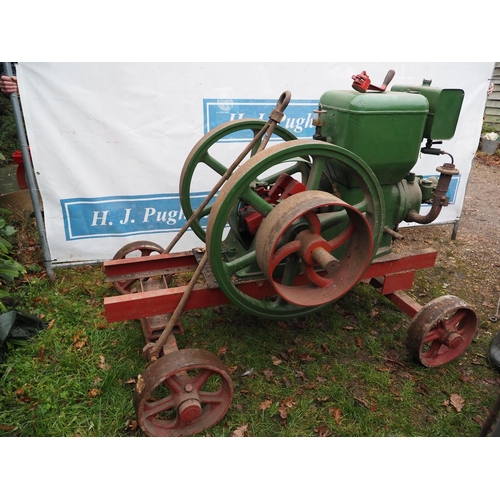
{"x":9,"y":141}
{"x":9,"y":268}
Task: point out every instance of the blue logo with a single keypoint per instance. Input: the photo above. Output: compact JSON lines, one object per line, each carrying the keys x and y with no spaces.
{"x":125,"y":215}
{"x":297,"y":120}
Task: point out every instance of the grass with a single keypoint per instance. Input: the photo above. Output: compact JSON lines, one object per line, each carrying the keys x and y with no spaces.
{"x":343,"y":371}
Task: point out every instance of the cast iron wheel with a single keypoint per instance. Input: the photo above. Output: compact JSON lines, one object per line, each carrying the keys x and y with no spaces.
{"x":441,"y":331}
{"x":309,"y":158}
{"x":293,"y":236}
{"x":182,"y":393}
{"x":203,"y":158}
{"x":134,"y":249}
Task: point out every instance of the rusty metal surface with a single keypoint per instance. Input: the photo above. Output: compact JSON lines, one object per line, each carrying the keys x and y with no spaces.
{"x":277,"y":242}
{"x":207,"y":273}
{"x":441,"y":331}
{"x":172,"y":397}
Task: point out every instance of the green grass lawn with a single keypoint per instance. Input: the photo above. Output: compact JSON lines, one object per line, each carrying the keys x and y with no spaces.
{"x":342,"y":371}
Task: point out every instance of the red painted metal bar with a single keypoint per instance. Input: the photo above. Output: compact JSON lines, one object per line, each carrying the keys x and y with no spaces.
{"x":152,"y":265}
{"x":156,"y":302}
{"x":404,"y":302}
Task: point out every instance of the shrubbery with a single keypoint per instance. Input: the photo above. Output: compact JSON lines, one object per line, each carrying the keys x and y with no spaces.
{"x":8,"y":133}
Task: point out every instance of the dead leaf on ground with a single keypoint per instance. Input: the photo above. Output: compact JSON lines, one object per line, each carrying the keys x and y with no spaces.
{"x":94,"y":392}
{"x":102,"y":365}
{"x":337,"y":415}
{"x":276,"y":361}
{"x":457,"y":402}
{"x":289,"y":402}
{"x":41,"y":353}
{"x":323,"y":431}
{"x":79,"y":343}
{"x":322,"y":399}
{"x":240,"y":431}
{"x":221,"y":351}
{"x":306,"y":357}
{"x":265,"y":404}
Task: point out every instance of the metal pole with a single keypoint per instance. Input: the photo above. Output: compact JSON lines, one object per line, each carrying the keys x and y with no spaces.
{"x":30,"y":175}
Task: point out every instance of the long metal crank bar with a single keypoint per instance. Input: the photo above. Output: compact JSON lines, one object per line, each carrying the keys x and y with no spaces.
{"x":152,"y":349}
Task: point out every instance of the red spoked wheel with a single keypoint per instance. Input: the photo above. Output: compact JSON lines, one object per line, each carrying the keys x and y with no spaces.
{"x":182,"y":393}
{"x":441,"y":331}
{"x":314,"y":247}
{"x":134,"y":249}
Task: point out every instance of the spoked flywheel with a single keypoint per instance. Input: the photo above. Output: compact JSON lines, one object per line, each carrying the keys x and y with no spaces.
{"x":308,"y":242}
{"x":207,"y":159}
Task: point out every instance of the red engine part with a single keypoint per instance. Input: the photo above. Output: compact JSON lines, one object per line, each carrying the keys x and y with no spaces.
{"x":20,"y":172}
{"x":362,"y":82}
{"x":284,"y":187}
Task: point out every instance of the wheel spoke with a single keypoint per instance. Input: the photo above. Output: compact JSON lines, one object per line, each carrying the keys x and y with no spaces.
{"x":257,"y":202}
{"x":214,"y":164}
{"x":206,"y":211}
{"x":318,"y":166}
{"x":314,"y":223}
{"x":435,"y":334}
{"x":200,"y":378}
{"x":240,"y":263}
{"x":315,"y":278}
{"x":212,"y":398}
{"x":175,"y":384}
{"x":285,"y":251}
{"x":152,"y":408}
{"x":433,"y":351}
{"x":290,"y":270}
{"x":343,"y":237}
{"x":451,"y":324}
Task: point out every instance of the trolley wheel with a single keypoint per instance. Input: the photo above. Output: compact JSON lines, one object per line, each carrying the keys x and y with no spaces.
{"x":209,"y":160}
{"x":134,"y":249}
{"x":309,"y":159}
{"x":441,"y":331}
{"x":182,"y":393}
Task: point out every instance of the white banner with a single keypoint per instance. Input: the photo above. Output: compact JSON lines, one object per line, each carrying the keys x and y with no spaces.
{"x":109,"y":140}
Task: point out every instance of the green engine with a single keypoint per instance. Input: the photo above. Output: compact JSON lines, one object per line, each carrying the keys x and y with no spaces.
{"x":386,"y":130}
{"x":310,"y":216}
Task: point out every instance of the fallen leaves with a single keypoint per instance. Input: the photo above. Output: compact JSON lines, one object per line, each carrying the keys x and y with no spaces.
{"x":265,"y":404}
{"x":79,"y":343}
{"x":337,"y":415}
{"x":456,"y":401}
{"x":94,"y":392}
{"x":102,"y":365}
{"x":240,"y":431}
